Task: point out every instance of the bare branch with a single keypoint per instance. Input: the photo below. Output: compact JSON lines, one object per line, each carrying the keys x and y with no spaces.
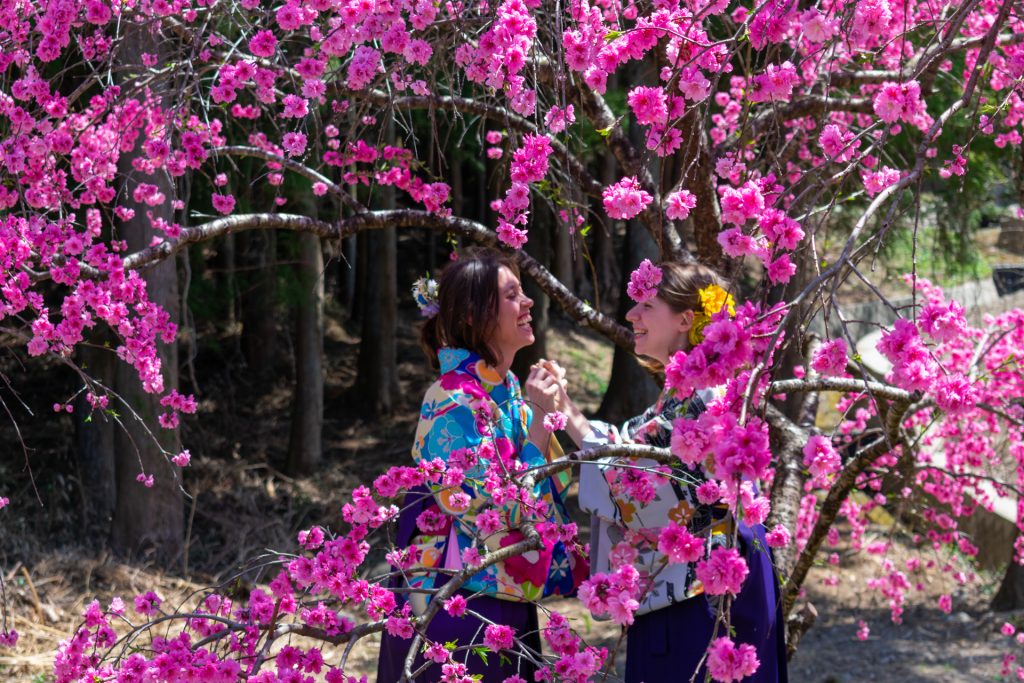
{"x":401,"y":218}
{"x":843,"y":384}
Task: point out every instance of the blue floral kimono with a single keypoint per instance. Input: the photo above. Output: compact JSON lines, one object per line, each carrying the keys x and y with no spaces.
{"x":451,"y":419}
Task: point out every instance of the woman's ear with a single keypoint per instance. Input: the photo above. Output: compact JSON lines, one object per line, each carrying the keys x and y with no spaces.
{"x":685,"y":321}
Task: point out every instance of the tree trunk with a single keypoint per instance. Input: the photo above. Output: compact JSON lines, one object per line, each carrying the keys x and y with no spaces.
{"x":630,"y":389}
{"x":147,"y":520}
{"x":94,"y":447}
{"x":539,"y":247}
{"x":377,"y":376}
{"x":228,"y":277}
{"x":258,"y":303}
{"x":605,"y":263}
{"x":377,"y":369}
{"x":348,"y":277}
{"x":700,"y":180}
{"x":1011,"y":591}
{"x":305,"y":444}
{"x":562,"y":261}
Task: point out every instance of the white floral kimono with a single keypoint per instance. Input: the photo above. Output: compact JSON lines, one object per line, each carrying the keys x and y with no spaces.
{"x":618,"y":517}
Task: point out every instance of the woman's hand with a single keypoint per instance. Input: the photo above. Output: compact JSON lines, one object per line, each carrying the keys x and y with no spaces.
{"x":545,"y":390}
{"x":578,"y":427}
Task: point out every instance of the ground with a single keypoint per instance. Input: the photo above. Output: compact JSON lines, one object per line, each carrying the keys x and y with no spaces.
{"x":244,"y":505}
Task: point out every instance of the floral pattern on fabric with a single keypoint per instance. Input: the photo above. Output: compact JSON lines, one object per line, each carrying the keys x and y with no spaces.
{"x":617,"y":517}
{"x":470,"y":406}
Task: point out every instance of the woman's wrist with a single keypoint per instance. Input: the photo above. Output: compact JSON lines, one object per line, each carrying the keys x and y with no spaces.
{"x":537,"y":434}
{"x":577,"y":425}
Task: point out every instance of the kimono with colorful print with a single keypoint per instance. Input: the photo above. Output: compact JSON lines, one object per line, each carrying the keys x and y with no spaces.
{"x":617,"y":517}
{"x":470,"y":405}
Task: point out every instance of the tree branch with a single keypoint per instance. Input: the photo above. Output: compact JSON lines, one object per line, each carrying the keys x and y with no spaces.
{"x":838,"y":493}
{"x":603,"y":119}
{"x":401,"y":218}
{"x":843,"y":384}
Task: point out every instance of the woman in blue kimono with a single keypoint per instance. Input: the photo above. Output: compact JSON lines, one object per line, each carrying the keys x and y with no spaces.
{"x":475,"y":409}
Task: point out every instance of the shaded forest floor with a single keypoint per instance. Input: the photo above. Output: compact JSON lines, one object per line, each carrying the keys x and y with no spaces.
{"x":243,"y":505}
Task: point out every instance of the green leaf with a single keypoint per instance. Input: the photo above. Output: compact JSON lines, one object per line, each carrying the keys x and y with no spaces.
{"x":585,"y":230}
{"x":604,"y":132}
{"x":611,"y":35}
{"x":481,"y":652}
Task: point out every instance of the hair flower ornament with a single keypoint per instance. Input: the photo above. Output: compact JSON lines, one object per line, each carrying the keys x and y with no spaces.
{"x":424,"y":291}
{"x":713,"y":299}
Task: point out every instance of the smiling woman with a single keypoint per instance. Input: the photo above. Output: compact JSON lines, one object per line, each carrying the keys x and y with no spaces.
{"x":639,"y":523}
{"x":513,"y":330}
{"x":475,"y":414}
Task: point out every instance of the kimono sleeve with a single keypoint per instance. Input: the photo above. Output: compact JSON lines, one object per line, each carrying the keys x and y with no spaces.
{"x":595,"y":496}
{"x":446,"y":425}
{"x":670,"y":502}
{"x":533,"y":456}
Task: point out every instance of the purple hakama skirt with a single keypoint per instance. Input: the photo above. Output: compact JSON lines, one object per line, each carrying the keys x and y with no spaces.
{"x":668,"y":645}
{"x":465,"y":630}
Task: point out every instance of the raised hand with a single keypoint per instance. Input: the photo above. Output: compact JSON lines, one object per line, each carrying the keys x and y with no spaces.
{"x":545,"y":390}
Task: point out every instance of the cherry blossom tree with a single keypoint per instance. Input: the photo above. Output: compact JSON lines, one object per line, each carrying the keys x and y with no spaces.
{"x":752,"y":132}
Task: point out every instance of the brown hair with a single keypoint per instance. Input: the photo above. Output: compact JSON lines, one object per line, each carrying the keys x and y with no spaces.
{"x":681,"y":283}
{"x":467,"y":301}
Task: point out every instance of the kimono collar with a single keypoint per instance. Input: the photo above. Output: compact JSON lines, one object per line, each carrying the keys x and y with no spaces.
{"x":465,"y":361}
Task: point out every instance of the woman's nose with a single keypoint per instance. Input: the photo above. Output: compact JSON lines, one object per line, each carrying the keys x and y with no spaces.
{"x":527,"y":301}
{"x":632,"y":315}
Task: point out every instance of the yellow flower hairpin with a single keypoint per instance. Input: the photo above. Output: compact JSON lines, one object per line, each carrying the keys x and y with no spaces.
{"x":712,"y":300}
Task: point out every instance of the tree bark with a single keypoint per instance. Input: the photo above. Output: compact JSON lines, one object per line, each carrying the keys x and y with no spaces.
{"x":377,"y":369}
{"x":305,"y":444}
{"x":229,"y":278}
{"x":147,"y":520}
{"x":539,"y":247}
{"x":1010,"y":595}
{"x":630,"y":389}
{"x":377,"y":375}
{"x":258,"y":303}
{"x":707,"y":218}
{"x":94,"y":448}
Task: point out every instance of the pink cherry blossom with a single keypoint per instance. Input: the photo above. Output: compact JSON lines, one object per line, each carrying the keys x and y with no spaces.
{"x":728,"y":661}
{"x":625,"y":199}
{"x":723,"y":572}
{"x":677,"y":544}
{"x":263,"y":44}
{"x":830,"y":358}
{"x":498,"y":637}
{"x":820,"y":458}
{"x":679,"y":204}
{"x":644,"y":281}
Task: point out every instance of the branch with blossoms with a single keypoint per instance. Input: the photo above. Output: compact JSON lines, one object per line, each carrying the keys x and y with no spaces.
{"x":573,"y":306}
{"x":497,"y":114}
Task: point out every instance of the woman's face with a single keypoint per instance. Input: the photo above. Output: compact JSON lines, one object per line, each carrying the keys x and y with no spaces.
{"x":659,"y":330}
{"x":513,"y":330}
